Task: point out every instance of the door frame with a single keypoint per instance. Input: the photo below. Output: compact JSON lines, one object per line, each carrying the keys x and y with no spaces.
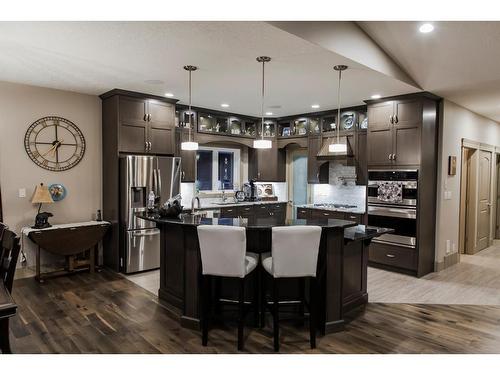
{"x":291,"y":151}
{"x":470,"y":218}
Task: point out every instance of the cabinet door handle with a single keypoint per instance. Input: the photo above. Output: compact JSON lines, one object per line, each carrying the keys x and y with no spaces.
{"x":146,"y":146}
{"x":391,"y":119}
{"x":396,"y":119}
{"x":145,"y":118}
{"x":183,"y":175}
{"x":390,"y":255}
{"x":389,"y":156}
{"x":393,"y":156}
{"x":149,"y":116}
{"x":324,"y":213}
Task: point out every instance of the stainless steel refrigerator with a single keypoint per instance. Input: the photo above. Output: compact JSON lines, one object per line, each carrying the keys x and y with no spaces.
{"x":139,"y":175}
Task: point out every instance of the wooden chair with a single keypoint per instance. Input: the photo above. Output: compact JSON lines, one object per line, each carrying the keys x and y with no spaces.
{"x":9,"y":252}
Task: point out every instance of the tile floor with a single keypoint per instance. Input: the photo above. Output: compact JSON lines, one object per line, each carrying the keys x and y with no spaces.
{"x":475,"y":280}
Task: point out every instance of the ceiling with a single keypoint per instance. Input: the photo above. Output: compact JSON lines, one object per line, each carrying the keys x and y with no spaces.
{"x":458,"y":60}
{"x":94,"y":57}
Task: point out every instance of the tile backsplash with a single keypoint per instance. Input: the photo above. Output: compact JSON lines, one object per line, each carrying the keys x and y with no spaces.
{"x":341,"y":174}
{"x":350,"y":194}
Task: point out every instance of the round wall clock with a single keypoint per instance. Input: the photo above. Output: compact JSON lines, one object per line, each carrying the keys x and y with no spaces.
{"x":54,"y":143}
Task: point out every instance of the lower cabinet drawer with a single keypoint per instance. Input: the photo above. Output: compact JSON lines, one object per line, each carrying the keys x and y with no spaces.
{"x":395,"y":256}
{"x":302,"y":213}
{"x":229,"y":212}
{"x":353,"y":217}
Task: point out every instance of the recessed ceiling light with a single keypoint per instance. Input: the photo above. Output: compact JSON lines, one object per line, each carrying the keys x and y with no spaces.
{"x":426,"y":28}
{"x":169,"y":94}
{"x":376,"y":96}
{"x":269,"y":113}
{"x":224,"y":105}
{"x":315,"y":106}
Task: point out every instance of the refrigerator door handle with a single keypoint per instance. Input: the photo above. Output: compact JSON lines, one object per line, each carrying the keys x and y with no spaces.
{"x":158,"y":186}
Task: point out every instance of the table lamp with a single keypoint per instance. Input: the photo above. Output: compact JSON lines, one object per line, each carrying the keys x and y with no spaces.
{"x":40,"y":196}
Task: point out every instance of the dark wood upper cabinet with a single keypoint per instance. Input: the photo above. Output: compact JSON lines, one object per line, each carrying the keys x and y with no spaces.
{"x":361,"y":158}
{"x":146,"y":126}
{"x":188,"y":158}
{"x":268,"y":165}
{"x":394,"y":129}
{"x":315,"y":174}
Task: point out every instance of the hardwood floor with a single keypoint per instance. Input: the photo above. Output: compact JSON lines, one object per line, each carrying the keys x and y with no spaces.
{"x":106,"y":313}
{"x":475,"y":280}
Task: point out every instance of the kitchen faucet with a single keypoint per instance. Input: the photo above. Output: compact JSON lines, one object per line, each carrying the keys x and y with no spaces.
{"x":195,"y":198}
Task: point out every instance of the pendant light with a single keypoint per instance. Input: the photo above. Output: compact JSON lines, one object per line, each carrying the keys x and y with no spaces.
{"x":189,"y":145}
{"x":262,"y":143}
{"x":338,"y":147}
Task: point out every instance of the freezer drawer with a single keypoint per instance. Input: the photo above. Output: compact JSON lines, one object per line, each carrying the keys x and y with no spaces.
{"x":142,"y":250}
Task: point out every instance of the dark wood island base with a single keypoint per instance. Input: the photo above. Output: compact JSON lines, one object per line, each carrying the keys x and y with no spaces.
{"x":342,"y":266}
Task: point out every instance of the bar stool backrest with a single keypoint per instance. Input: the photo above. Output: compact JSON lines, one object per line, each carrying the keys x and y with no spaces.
{"x":223,"y":250}
{"x":295,"y":250}
{"x":9,"y":252}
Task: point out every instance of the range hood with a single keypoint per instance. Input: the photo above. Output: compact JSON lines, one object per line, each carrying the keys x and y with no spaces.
{"x":325,"y":154}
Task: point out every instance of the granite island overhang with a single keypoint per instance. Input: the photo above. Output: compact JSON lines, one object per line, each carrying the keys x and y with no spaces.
{"x":342,"y":265}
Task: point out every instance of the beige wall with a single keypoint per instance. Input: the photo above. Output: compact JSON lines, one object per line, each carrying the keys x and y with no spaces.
{"x":457,"y":123}
{"x":20,"y":105}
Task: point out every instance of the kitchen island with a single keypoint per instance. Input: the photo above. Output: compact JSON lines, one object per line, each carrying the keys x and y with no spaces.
{"x":342,"y":264}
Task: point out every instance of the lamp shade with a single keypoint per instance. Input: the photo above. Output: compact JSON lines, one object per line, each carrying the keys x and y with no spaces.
{"x":262,"y":143}
{"x":41,"y":195}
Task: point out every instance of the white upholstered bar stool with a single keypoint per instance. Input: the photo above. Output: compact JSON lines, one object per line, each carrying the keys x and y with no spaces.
{"x":223,"y":254}
{"x":294,"y":254}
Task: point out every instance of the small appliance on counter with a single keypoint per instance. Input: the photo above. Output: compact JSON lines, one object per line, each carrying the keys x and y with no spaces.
{"x":250,"y":190}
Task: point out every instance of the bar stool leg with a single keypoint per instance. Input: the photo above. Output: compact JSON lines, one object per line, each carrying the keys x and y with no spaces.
{"x":312,"y":312}
{"x":256,"y":298}
{"x":302,"y":297}
{"x":241,"y":317}
{"x":276,"y":327}
{"x":205,"y":309}
{"x":4,"y":336}
{"x":263,"y":302}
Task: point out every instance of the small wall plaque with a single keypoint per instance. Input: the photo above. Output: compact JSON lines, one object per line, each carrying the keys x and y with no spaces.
{"x":452,"y":165}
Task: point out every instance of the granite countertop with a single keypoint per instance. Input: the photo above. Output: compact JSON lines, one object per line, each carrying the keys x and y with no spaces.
{"x":255,"y":223}
{"x":214,"y":205}
{"x":364,"y":232}
{"x":353,"y":210}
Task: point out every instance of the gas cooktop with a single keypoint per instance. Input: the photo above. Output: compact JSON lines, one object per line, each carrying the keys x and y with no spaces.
{"x":334,"y":205}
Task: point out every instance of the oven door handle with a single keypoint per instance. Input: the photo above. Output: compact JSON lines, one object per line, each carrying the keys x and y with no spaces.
{"x":406,"y":213}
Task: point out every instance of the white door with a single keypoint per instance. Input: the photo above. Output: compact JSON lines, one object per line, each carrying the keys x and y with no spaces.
{"x":484,"y":200}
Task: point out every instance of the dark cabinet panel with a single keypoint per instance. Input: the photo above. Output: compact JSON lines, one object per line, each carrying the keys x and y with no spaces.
{"x":393,"y":256}
{"x":132,"y":111}
{"x":315,"y":174}
{"x":267,"y":164}
{"x":146,"y":126}
{"x":303,"y":213}
{"x":188,"y":158}
{"x":407,"y":146}
{"x":408,"y":113}
{"x":379,"y":147}
{"x":379,"y":115}
{"x":394,"y":133}
{"x":161,"y":115}
{"x":229,"y":212}
{"x":361,"y":158}
{"x":162,"y":140}
{"x":132,"y":138}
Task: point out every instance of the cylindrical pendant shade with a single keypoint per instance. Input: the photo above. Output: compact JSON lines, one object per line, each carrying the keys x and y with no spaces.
{"x":262,"y":143}
{"x":41,"y":195}
{"x":189,"y":146}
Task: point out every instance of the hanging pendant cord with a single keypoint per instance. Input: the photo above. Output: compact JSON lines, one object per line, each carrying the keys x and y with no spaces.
{"x":338,"y":113}
{"x":262,"y":103}
{"x":190,"y":115}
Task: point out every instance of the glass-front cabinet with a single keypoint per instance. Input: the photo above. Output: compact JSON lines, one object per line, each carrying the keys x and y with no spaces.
{"x":300,"y":126}
{"x":329,"y":123}
{"x":314,"y":125}
{"x":285,"y":128}
{"x":184,"y":118}
{"x":269,"y":128}
{"x":212,"y":123}
{"x":249,"y":127}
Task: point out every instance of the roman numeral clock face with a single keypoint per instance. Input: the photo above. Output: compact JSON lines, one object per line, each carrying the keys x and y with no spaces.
{"x":54,"y":143}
